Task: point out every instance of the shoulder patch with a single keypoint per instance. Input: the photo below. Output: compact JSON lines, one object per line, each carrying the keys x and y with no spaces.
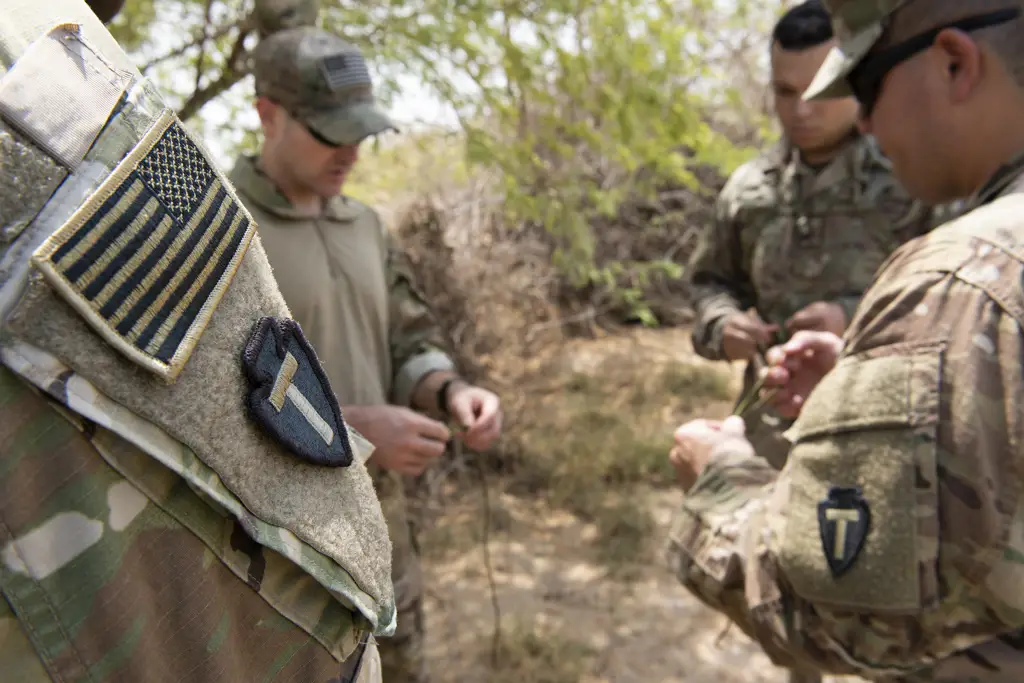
{"x":844,"y":520}
{"x":290,"y":397}
{"x":148,"y":256}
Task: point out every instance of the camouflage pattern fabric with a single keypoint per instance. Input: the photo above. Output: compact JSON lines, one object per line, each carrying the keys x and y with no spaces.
{"x":125,"y":555}
{"x":785,"y":236}
{"x":923,"y":413}
{"x":113,"y":587}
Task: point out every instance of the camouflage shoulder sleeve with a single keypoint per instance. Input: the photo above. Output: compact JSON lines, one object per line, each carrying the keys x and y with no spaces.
{"x":418,"y":345}
{"x":99,"y":572}
{"x":719,"y":285}
{"x":842,"y":562}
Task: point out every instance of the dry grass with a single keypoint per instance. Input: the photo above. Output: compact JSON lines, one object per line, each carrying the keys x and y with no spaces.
{"x":601,"y":424}
{"x":531,"y":653}
{"x":597,"y":423}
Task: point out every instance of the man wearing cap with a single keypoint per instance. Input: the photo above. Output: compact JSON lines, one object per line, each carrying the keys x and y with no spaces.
{"x":180,"y":497}
{"x":351,"y":290}
{"x":891,"y":545}
{"x":799,"y":231}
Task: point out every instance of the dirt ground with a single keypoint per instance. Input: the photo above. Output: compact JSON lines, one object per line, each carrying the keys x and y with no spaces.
{"x":577,"y":553}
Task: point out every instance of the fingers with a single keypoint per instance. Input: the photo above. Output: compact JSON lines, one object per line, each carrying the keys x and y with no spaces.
{"x":430,"y":429}
{"x":483,"y":433}
{"x":734,"y":425}
{"x":764,"y":334}
{"x":428,"y":449}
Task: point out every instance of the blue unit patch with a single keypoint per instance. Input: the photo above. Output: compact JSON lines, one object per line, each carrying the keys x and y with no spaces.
{"x":290,"y":397}
{"x":149,"y":255}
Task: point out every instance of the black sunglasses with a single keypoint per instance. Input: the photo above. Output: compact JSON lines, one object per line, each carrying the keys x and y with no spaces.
{"x":866,"y":78}
{"x":320,"y":138}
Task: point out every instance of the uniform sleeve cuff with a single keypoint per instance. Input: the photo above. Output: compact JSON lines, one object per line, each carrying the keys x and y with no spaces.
{"x":414,"y":370}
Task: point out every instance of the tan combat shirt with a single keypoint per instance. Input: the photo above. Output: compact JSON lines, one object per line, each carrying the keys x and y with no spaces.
{"x":906,"y":475}
{"x":350,"y":288}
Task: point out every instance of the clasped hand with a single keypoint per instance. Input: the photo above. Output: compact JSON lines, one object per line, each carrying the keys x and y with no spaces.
{"x":794,"y":369}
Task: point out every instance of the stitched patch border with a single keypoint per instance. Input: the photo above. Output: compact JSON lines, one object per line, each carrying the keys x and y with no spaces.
{"x":290,"y":397}
{"x":149,"y":255}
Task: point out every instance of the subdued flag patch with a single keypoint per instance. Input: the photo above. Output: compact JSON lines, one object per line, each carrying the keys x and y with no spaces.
{"x":149,"y":255}
{"x":291,"y":398}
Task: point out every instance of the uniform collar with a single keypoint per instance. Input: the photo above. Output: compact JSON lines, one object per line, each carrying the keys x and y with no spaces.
{"x":848,"y":164}
{"x":1008,"y":178}
{"x":261,"y":191}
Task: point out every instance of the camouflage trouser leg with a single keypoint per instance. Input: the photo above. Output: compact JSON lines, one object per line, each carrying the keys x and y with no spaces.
{"x":402,"y":655}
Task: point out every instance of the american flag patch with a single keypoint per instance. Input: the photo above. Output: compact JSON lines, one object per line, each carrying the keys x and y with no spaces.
{"x":345,"y":70}
{"x":149,"y":255}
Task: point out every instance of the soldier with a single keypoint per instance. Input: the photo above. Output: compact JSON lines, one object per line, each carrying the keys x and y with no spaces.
{"x":892,"y":543}
{"x":180,"y":497}
{"x":350,"y":288}
{"x":800,"y":231}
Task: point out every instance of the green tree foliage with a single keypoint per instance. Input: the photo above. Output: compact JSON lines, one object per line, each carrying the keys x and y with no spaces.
{"x":577,"y":105}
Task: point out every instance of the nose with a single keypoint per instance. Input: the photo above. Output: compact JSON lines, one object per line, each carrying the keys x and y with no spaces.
{"x":348,"y":154}
{"x":803,"y":109}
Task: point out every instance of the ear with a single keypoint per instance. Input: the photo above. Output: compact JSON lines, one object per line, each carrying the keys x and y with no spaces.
{"x":961,"y":61}
{"x":269,"y":113}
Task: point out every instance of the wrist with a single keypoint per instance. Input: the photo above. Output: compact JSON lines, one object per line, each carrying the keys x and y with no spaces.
{"x":445,"y":392}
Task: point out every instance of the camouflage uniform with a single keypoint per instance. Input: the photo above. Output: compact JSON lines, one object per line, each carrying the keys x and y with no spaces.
{"x":161,"y":516}
{"x":891,"y":545}
{"x":349,"y":285}
{"x":785,"y":236}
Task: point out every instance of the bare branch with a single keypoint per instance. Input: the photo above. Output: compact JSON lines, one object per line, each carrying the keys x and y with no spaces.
{"x":233,"y":72}
{"x":202,"y":46}
{"x":195,"y":41}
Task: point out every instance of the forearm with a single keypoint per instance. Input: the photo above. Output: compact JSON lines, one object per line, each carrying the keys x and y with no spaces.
{"x":713,"y":307}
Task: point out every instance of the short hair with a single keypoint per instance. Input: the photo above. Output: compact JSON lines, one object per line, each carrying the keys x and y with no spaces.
{"x":802,"y":27}
{"x":1005,"y":40}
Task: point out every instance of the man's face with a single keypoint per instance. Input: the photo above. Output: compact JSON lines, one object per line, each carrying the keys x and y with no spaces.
{"x":921,"y":119}
{"x":811,"y":126}
{"x":312,"y":166}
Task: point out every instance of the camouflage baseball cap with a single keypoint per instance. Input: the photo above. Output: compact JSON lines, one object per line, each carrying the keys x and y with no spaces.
{"x":322,"y":81}
{"x":857,"y":24}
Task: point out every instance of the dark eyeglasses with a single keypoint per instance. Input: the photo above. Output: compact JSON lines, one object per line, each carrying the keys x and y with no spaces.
{"x":866,"y":78}
{"x":320,"y":138}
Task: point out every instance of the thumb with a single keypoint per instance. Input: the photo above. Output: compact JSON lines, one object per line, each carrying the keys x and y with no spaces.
{"x":734,"y":425}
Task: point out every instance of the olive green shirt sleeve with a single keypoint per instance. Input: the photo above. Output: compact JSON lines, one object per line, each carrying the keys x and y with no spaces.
{"x":719,"y":285}
{"x":418,"y":346}
{"x":922,"y":418}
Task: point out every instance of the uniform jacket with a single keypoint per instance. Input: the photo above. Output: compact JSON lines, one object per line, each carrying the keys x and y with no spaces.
{"x":891,"y":546}
{"x":160,"y":515}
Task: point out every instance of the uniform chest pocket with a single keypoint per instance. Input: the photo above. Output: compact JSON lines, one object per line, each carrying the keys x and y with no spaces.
{"x":862,"y":529}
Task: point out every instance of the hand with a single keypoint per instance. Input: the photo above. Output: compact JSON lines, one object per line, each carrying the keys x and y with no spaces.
{"x":479,"y":411}
{"x":404,"y":441}
{"x":821,"y":316}
{"x":797,"y":366}
{"x":696,"y":440}
{"x":743,"y":333}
